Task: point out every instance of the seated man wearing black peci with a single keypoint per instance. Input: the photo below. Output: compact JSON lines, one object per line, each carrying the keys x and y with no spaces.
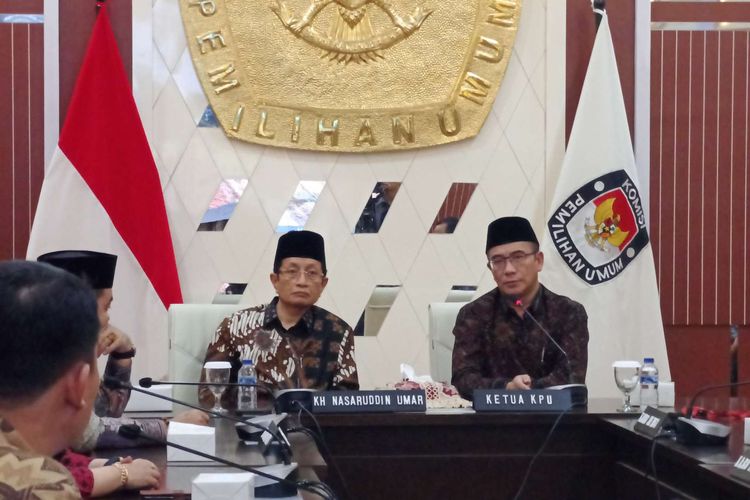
{"x":292,"y":342}
{"x":97,"y":269}
{"x":497,"y":344}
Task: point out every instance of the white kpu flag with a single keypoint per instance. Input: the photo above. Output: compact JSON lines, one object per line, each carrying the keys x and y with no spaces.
{"x":596,"y":242}
{"x":102,"y":192}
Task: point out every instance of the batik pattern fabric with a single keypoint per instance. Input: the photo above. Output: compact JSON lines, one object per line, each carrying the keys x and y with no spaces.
{"x":316,"y":353}
{"x":493,"y":343}
{"x":103,"y":432}
{"x":112,"y":402}
{"x":25,"y":474}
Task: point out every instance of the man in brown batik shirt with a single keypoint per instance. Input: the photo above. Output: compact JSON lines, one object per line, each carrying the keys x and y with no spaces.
{"x":292,"y":342}
{"x":48,"y":376}
{"x":498,"y":345}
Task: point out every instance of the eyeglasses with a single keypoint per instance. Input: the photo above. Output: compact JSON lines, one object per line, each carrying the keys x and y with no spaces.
{"x":293,"y":274}
{"x":498,"y":262}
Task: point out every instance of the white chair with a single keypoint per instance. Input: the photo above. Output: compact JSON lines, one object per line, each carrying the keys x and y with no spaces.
{"x":191,"y":328}
{"x":460,"y":296}
{"x":378,"y":307}
{"x":442,"y":319}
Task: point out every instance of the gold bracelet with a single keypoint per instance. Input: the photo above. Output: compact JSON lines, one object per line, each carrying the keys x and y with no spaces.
{"x":123,"y":474}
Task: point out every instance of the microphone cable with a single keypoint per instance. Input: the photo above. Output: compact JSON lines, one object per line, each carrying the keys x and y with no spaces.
{"x":321,"y":442}
{"x":132,"y":431}
{"x":538,"y":453}
{"x":286,"y":452}
{"x":652,"y":460}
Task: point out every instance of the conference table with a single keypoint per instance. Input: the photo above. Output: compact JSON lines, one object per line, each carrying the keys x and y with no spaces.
{"x":176,"y":477}
{"x":592,"y":453}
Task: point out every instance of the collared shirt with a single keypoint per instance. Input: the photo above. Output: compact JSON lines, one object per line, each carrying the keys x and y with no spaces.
{"x":316,"y":353}
{"x":27,"y":474}
{"x":493,"y":344}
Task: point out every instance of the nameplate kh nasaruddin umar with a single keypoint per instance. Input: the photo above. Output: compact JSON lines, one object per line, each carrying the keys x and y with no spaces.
{"x":369,"y":401}
{"x":351,"y":75}
{"x":525,"y":400}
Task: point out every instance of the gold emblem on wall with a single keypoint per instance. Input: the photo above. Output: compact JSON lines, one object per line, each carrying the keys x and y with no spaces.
{"x":351,"y":75}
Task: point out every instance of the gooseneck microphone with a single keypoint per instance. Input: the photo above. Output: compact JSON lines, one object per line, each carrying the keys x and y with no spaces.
{"x":697,"y":431}
{"x":132,"y":431}
{"x":578,"y":392}
{"x":519,"y":303}
{"x":148,"y":382}
{"x":285,"y":448}
{"x":711,"y":388}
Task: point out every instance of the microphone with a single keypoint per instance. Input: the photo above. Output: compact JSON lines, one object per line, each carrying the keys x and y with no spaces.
{"x":287,"y":486}
{"x":284,"y":446}
{"x":578,"y":392}
{"x":148,"y":382}
{"x":698,"y":431}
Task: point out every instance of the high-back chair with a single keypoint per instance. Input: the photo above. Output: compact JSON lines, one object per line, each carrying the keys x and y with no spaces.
{"x":191,"y":329}
{"x":442,"y":318}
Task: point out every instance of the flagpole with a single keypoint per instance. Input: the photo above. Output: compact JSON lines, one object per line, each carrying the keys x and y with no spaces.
{"x":599,"y":8}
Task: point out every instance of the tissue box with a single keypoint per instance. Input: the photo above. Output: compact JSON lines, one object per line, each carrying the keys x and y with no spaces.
{"x":224,"y":486}
{"x":143,"y":402}
{"x":197,"y":437}
{"x":666,"y":393}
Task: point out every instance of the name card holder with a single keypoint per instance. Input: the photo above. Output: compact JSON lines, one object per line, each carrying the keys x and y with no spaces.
{"x":394,"y":401}
{"x":651,"y":422}
{"x":531,"y":400}
{"x":741,"y":469}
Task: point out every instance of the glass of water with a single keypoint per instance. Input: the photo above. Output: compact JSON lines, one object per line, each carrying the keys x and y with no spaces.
{"x":217,"y":372}
{"x":627,"y":376}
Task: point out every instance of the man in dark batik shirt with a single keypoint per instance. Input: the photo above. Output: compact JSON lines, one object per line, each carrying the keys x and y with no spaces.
{"x":292,"y":342}
{"x":498,"y":345}
{"x":98,"y":270}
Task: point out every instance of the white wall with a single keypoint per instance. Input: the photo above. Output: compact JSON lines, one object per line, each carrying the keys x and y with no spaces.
{"x":515,"y":160}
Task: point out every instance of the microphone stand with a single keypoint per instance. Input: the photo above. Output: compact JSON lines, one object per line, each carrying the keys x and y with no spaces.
{"x":698,"y":431}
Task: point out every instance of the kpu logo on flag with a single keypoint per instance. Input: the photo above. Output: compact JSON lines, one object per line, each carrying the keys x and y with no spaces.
{"x":600,"y":228}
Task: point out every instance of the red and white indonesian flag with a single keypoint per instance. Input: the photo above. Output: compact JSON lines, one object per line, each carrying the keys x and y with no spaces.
{"x":102,"y":192}
{"x":596,"y":242}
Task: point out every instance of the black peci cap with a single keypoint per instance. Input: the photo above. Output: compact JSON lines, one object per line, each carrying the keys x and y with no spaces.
{"x":509,"y":230}
{"x":306,"y":244}
{"x":95,"y":268}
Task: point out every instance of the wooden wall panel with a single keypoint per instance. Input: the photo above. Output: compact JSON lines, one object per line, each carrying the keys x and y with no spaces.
{"x":6,"y":143}
{"x":699,"y":356}
{"x":22,"y":103}
{"x":699,"y":175}
{"x":699,"y":185}
{"x":76,"y":23}
{"x":580,"y":33}
{"x":455,"y":201}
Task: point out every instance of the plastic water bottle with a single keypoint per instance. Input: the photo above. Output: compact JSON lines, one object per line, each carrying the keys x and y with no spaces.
{"x":649,"y":383}
{"x":248,"y":395}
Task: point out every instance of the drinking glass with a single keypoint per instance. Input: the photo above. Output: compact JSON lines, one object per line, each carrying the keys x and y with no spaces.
{"x":627,"y":375}
{"x":217,"y":372}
